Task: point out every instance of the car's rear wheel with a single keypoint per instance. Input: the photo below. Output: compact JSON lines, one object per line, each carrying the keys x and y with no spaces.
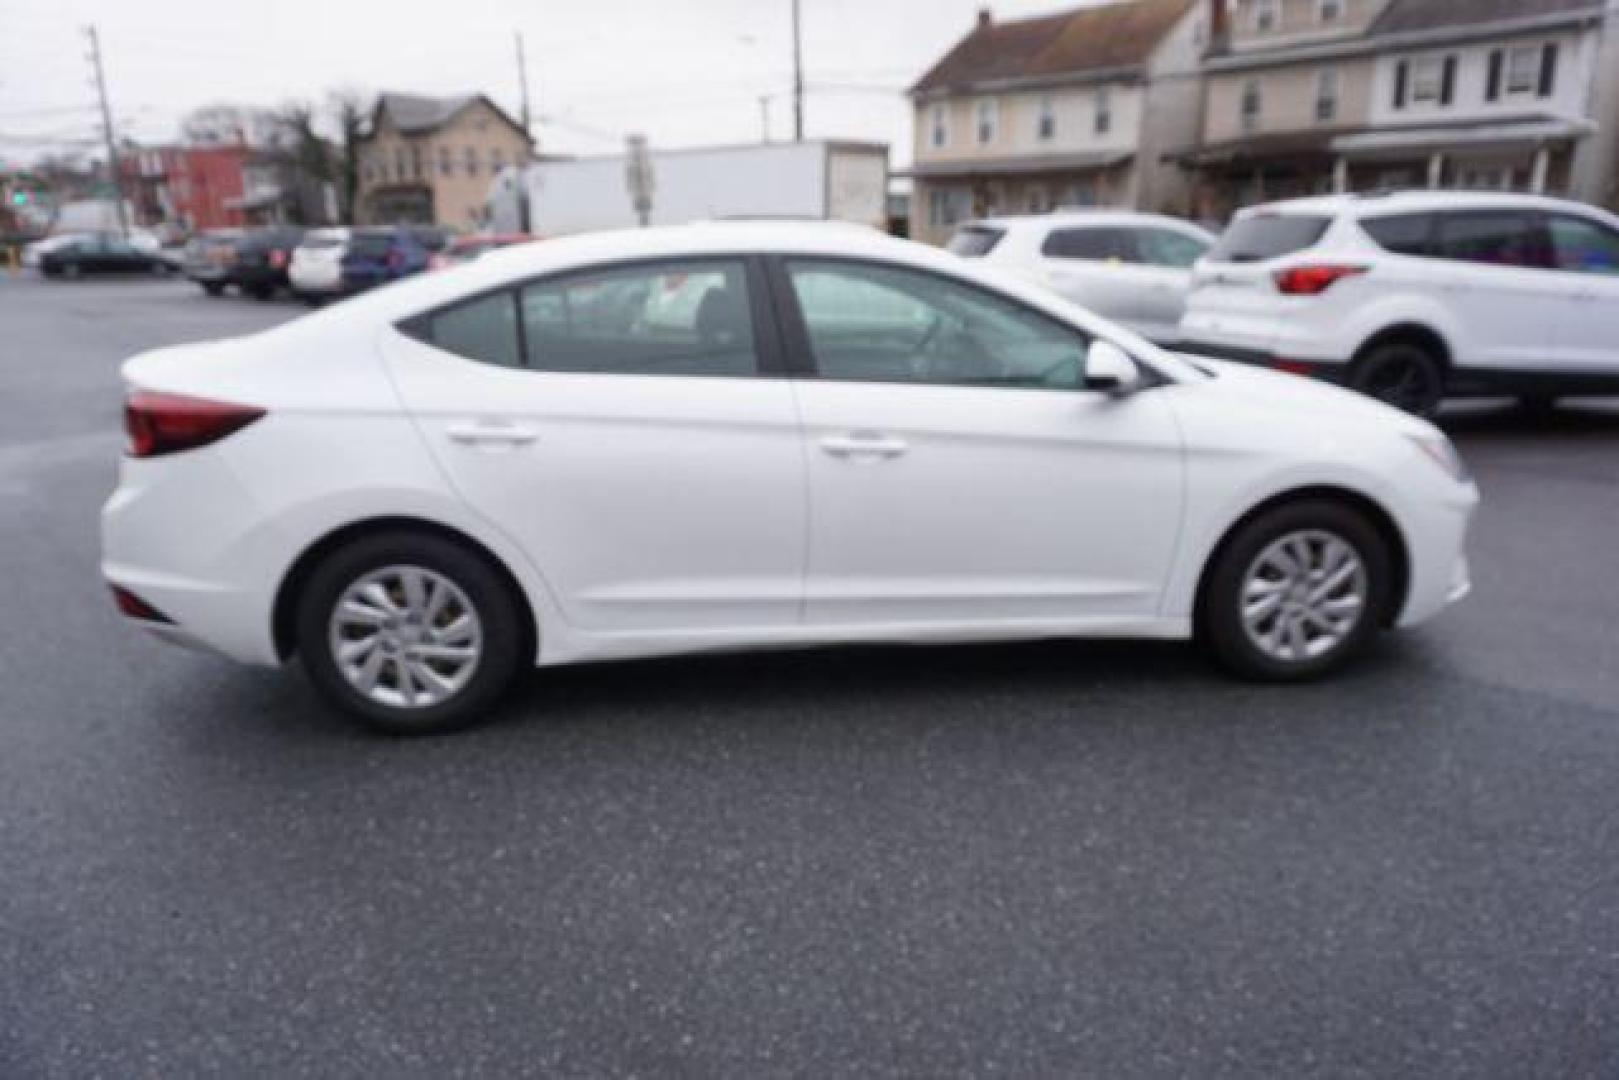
{"x":1401,"y":374}
{"x":410,"y":632}
{"x":1296,"y":591}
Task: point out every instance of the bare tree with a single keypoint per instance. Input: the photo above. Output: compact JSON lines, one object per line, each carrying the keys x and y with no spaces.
{"x":350,"y":110}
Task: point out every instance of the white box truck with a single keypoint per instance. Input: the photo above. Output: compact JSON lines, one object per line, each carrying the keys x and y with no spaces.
{"x":847,"y":181}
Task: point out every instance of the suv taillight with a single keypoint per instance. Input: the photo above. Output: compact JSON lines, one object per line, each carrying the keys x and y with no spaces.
{"x":1312,"y":280}
{"x":168,"y":423}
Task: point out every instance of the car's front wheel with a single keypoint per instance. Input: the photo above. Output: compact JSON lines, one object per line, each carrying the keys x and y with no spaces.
{"x":1296,"y":591}
{"x":410,"y":632}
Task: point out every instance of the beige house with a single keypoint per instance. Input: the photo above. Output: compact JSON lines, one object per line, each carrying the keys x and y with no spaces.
{"x":432,"y":160}
{"x":1086,"y":107}
{"x":1284,"y":78}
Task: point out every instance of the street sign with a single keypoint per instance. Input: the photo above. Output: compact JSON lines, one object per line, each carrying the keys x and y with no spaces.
{"x":638,"y":176}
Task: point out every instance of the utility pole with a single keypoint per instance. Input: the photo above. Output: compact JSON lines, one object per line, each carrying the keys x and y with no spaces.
{"x":798,"y":77}
{"x":764,"y":118}
{"x":523,"y":215}
{"x":106,"y":131}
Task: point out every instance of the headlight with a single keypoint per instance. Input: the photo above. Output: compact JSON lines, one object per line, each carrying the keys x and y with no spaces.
{"x":1439,"y":450}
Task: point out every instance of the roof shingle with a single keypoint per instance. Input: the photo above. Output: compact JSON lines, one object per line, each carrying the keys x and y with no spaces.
{"x":1412,"y":16}
{"x":1068,"y":43}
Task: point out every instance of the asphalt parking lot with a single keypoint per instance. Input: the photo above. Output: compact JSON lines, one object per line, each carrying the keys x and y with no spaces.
{"x":1039,"y":860}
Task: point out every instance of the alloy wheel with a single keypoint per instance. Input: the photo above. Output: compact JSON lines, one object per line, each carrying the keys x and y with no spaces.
{"x":1303,"y":595}
{"x":406,"y":637}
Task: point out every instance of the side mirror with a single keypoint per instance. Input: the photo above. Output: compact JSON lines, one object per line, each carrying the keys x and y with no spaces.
{"x":1110,"y":369}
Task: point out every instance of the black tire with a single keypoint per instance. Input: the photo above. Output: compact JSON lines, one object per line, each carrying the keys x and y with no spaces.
{"x":262,"y":292}
{"x":1219,"y":617}
{"x":72,"y":270}
{"x":1403,"y":375}
{"x":504,"y":635}
{"x":213,"y":288}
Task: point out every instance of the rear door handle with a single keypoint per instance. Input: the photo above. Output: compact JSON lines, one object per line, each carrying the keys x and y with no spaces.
{"x":490,"y":433}
{"x":863,"y":444}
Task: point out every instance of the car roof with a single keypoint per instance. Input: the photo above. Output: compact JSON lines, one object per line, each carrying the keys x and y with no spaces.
{"x":1079,"y":218}
{"x":1371,"y":204}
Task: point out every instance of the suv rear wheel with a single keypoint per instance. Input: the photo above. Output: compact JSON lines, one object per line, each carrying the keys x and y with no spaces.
{"x":1401,"y":374}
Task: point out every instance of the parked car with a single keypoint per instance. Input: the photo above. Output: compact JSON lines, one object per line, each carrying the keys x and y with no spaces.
{"x":1134,"y":269}
{"x":316,"y":271}
{"x":209,"y":257}
{"x":259,"y":269}
{"x":1418,"y":296}
{"x":464,"y":249}
{"x":32,"y":253}
{"x":848,"y":437}
{"x":101,"y":254}
{"x":377,"y":256}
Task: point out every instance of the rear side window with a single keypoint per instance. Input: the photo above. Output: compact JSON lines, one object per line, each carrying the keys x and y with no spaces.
{"x":1492,"y":237}
{"x":484,"y":329}
{"x":685,"y":318}
{"x":1096,"y":243}
{"x":1268,"y":236}
{"x":974,"y":241}
{"x":1402,"y":234}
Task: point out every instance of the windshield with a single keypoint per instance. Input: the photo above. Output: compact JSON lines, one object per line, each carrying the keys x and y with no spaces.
{"x":974,"y":241}
{"x":1268,"y":236}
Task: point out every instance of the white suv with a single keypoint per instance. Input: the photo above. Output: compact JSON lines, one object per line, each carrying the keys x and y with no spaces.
{"x":1133,"y":269}
{"x":1418,"y":296}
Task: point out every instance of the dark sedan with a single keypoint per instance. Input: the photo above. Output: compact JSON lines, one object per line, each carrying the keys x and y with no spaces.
{"x":101,"y":255}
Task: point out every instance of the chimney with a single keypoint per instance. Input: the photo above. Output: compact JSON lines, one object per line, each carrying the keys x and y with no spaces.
{"x":985,"y":17}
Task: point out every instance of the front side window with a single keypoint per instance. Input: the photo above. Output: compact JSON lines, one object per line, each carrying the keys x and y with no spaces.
{"x":678,"y":318}
{"x":1165,"y":247}
{"x":1492,"y":237}
{"x":1583,"y":246}
{"x":868,"y":323}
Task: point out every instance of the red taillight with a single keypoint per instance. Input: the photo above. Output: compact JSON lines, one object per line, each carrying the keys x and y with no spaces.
{"x":167,"y":423}
{"x":1293,"y":367}
{"x":134,"y":607}
{"x":1313,"y":280}
{"x":278,"y":259}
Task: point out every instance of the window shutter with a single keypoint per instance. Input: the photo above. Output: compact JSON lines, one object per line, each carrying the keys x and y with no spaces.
{"x":1447,"y":81}
{"x":1548,"y":68}
{"x":1402,"y":72}
{"x":1492,"y":92}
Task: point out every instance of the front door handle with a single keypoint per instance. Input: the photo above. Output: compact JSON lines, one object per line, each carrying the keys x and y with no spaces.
{"x":863,"y":444}
{"x":490,"y":433}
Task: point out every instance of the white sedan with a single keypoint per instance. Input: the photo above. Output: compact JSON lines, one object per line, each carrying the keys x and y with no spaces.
{"x":549,"y":456}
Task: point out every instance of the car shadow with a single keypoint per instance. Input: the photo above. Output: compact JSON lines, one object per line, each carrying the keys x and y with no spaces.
{"x":1586,"y":418}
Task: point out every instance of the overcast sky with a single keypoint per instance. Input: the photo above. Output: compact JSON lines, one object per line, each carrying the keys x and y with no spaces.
{"x":685,"y":72}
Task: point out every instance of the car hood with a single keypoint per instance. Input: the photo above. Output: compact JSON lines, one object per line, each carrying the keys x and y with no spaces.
{"x":1300,"y":395}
